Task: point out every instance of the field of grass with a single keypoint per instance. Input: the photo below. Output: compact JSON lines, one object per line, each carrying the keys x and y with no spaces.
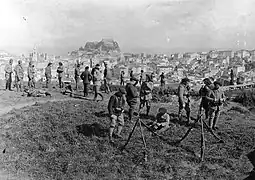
{"x":43,"y":141}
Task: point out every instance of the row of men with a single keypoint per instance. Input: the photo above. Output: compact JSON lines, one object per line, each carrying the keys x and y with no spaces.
{"x":212,"y":99}
{"x":142,"y":78}
{"x":19,"y":75}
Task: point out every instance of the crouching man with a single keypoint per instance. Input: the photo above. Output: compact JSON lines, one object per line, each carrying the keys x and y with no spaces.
{"x":116,"y":109}
{"x":162,"y":121}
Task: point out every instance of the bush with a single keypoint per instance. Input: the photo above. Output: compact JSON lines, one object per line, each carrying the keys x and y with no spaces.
{"x":245,"y":97}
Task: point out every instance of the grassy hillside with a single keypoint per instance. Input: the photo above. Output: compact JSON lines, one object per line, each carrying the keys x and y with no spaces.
{"x":43,"y":141}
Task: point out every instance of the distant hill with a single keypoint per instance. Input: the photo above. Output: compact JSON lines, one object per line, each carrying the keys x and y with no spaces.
{"x":105,"y":45}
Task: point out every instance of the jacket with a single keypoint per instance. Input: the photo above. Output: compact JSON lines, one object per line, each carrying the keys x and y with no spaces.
{"x":215,"y":98}
{"x":146,"y":90}
{"x":163,"y":119}
{"x":30,"y":72}
{"x":86,"y":77}
{"x":48,"y":72}
{"x":60,"y":71}
{"x":203,"y":92}
{"x":77,"y":72}
{"x":19,"y":72}
{"x":132,"y":93}
{"x":116,"y":104}
{"x":96,"y":77}
{"x":183,"y":94}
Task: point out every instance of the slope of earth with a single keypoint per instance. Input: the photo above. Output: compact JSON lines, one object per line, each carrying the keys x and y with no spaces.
{"x":43,"y":141}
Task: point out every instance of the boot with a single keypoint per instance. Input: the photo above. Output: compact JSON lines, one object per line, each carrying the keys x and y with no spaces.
{"x":110,"y":135}
{"x":119,"y":131}
{"x":130,"y":114}
{"x":148,"y":110}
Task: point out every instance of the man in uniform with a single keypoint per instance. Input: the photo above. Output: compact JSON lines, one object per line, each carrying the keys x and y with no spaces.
{"x":77,"y":75}
{"x":60,"y":71}
{"x":162,"y":121}
{"x":122,"y":78}
{"x":19,"y":75}
{"x":131,"y":98}
{"x":86,"y":77}
{"x":8,"y":75}
{"x":115,"y":108}
{"x":97,"y":81}
{"x":162,"y":82}
{"x":146,"y":94}
{"x":183,"y":97}
{"x":107,"y":79}
{"x":203,"y":92}
{"x":31,"y":75}
{"x":142,"y":77}
{"x":216,"y":99}
{"x":48,"y":75}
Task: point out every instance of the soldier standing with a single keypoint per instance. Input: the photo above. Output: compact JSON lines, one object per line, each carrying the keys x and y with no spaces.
{"x":146,"y":94}
{"x":107,"y":79}
{"x":60,"y":71}
{"x":162,"y":82}
{"x":122,"y":78}
{"x":8,"y":75}
{"x":77,"y":75}
{"x":204,"y":92}
{"x":142,"y":77}
{"x":19,"y":75}
{"x":216,"y":99}
{"x":132,"y":77}
{"x":97,"y":81}
{"x":115,"y":108}
{"x":48,"y":75}
{"x":86,"y":77}
{"x":31,"y":75}
{"x":131,"y":98}
{"x":183,"y":98}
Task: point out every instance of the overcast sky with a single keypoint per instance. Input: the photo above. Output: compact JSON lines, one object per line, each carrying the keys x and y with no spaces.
{"x":59,"y":26}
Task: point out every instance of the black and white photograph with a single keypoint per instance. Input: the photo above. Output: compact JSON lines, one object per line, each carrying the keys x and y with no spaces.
{"x":127,"y":90}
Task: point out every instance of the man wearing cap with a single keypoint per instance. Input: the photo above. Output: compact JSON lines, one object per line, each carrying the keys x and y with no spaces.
{"x":48,"y":75}
{"x":97,"y":81}
{"x":86,"y":77}
{"x":142,"y":77}
{"x":115,"y":108}
{"x":162,"y":121}
{"x":19,"y":75}
{"x":107,"y":79}
{"x":77,"y":74}
{"x":216,"y":99}
{"x":122,"y":78}
{"x":8,"y":75}
{"x":162,"y":82}
{"x":60,"y":71}
{"x":131,"y":97}
{"x":183,"y":97}
{"x":133,"y":78}
{"x":146,"y":94}
{"x":203,"y":92}
{"x":31,"y":75}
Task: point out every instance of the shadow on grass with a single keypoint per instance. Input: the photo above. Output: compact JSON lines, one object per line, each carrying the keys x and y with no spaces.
{"x":101,"y":114}
{"x":94,"y":129}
